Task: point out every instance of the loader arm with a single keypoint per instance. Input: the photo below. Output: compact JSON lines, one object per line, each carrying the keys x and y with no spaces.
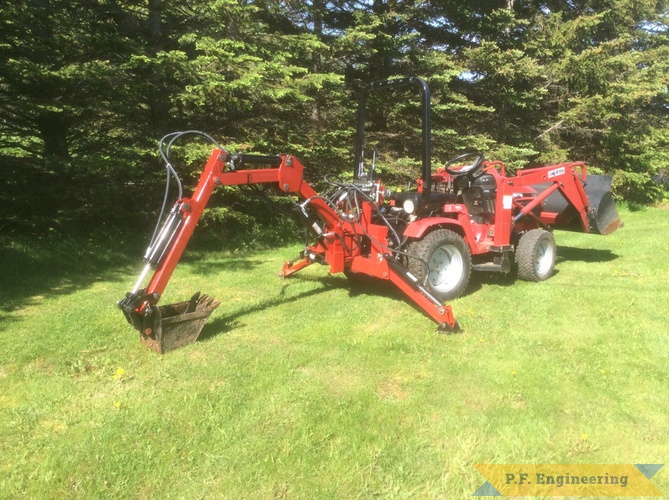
{"x":564,"y":178}
{"x":337,"y":245}
{"x":568,"y":199}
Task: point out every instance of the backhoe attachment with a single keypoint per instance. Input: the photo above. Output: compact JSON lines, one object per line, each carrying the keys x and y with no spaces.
{"x":352,"y":237}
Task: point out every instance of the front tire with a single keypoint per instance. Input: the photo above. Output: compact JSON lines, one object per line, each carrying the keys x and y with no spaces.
{"x":535,"y":255}
{"x":449,"y":261}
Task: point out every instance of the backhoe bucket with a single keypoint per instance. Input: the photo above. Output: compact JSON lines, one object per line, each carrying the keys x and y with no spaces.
{"x":180,"y":324}
{"x":603,"y":216}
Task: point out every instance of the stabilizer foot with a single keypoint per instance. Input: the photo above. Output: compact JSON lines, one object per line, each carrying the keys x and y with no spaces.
{"x":448,"y":329}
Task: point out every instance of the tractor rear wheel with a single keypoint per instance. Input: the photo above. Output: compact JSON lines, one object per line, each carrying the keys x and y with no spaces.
{"x":535,"y":255}
{"x":449,"y":263}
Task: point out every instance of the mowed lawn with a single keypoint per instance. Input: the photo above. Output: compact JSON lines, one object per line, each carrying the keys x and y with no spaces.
{"x":316,"y":387}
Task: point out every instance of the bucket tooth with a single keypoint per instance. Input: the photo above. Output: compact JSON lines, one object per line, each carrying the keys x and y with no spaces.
{"x":177,"y":325}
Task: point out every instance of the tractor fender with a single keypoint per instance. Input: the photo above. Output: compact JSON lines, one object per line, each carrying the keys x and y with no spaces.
{"x":419,"y":228}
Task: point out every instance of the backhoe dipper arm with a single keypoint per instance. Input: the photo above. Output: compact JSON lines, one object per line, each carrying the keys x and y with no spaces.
{"x":189,"y":210}
{"x":166,"y":251}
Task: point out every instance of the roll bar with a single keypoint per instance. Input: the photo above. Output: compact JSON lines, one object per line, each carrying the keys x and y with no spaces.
{"x":426,"y":143}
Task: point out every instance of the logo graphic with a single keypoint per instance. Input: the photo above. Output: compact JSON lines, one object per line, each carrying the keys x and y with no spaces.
{"x":556,"y":172}
{"x":568,"y":480}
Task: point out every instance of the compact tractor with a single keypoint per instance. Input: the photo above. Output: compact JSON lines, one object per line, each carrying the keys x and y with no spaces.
{"x":465,"y":215}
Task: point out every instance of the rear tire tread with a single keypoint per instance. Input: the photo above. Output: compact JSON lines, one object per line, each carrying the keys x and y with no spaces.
{"x":423,"y":250}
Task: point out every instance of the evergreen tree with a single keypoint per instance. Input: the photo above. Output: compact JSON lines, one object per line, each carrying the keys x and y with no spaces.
{"x":87,"y":87}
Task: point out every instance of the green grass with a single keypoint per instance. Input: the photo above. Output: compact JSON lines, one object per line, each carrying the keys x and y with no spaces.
{"x":314,"y":387}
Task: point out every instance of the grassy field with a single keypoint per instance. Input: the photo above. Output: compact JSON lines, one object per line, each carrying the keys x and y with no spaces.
{"x":314,"y":387}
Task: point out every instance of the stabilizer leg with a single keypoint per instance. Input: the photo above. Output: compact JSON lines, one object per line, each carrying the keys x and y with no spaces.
{"x":409,"y":284}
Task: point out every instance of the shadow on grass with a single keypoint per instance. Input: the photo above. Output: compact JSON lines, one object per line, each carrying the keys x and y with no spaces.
{"x":224,"y":324}
{"x":479,"y":279}
{"x":585,"y":254}
{"x":226,"y":264}
{"x":47,"y":267}
{"x":357,"y":285}
{"x":363,"y":285}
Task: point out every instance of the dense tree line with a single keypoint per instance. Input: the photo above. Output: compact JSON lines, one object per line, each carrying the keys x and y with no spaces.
{"x":87,"y":87}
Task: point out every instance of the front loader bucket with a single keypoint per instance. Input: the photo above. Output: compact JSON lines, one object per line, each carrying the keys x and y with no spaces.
{"x":180,"y":324}
{"x":603,"y":215}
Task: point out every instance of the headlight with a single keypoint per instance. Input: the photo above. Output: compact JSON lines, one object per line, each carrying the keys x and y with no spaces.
{"x":409,"y":206}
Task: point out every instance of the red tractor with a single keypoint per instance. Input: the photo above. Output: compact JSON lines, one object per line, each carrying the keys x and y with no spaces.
{"x":466,"y":215}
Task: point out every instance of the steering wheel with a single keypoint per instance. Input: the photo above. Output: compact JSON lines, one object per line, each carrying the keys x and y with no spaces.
{"x":470,"y":169}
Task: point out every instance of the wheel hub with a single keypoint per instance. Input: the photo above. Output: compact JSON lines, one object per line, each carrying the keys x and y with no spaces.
{"x":544,"y":257}
{"x":446,"y":268}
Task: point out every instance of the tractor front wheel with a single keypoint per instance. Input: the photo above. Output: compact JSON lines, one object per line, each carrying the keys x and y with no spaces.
{"x":442,"y":260}
{"x":535,"y":255}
